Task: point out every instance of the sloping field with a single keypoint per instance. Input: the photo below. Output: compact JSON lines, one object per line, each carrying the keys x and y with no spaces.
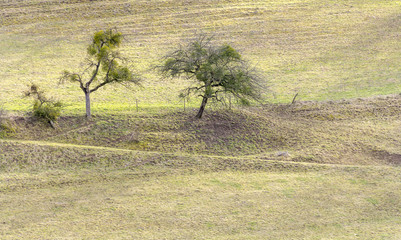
{"x":55,"y":190}
{"x":73,"y":192}
{"x":325,"y":169}
{"x":322,"y":49}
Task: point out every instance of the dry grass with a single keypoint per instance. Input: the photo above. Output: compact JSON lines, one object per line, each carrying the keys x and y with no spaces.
{"x":154,"y":203}
{"x":361,"y":131}
{"x":109,"y":191}
{"x":157,"y":173}
{"x":323,"y":50}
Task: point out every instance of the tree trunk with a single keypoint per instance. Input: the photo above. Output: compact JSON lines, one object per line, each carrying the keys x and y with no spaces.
{"x":52,"y":124}
{"x":202,"y":107}
{"x":88,"y":104}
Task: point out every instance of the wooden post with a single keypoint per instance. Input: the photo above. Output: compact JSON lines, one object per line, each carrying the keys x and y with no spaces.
{"x":293,"y":100}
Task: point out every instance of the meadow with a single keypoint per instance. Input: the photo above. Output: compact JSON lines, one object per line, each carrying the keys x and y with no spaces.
{"x":157,"y":202}
{"x":325,"y":167}
{"x":323,"y":50}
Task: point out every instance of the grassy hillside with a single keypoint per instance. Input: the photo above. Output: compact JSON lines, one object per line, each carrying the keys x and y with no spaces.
{"x":322,"y":169}
{"x":360,"y":131}
{"x":164,"y":175}
{"x":65,"y":191}
{"x":321,"y":49}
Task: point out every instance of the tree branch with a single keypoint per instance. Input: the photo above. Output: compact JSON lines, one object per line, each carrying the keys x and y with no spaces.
{"x":98,"y":86}
{"x":94,"y":75}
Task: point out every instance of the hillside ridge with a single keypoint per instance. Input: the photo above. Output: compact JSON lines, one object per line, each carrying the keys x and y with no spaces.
{"x":359,"y":131}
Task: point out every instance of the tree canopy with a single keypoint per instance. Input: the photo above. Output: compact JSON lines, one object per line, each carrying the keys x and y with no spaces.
{"x":215,"y":71}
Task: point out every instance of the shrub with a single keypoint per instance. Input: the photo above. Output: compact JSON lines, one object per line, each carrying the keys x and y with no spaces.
{"x":6,"y":127}
{"x":43,"y":107}
{"x":49,"y":111}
